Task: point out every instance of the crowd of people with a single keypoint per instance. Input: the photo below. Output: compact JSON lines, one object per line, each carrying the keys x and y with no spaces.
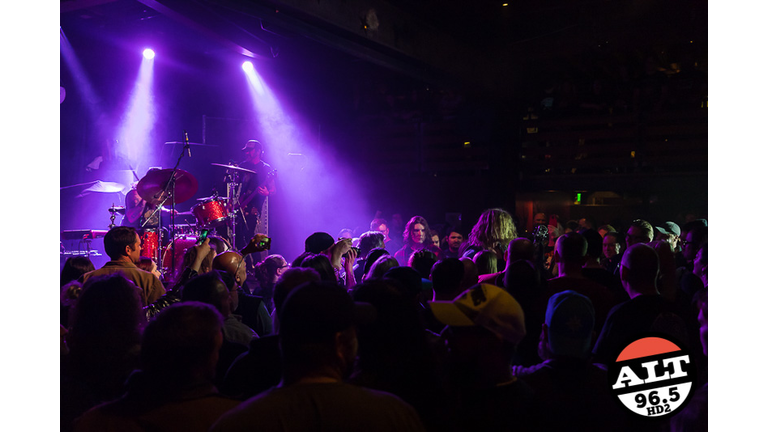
{"x":494,"y":329}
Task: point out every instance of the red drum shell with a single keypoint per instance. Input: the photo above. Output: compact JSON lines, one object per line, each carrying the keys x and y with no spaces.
{"x":210,"y":213}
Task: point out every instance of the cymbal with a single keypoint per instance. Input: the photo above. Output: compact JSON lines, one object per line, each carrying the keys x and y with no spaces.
{"x":103,"y":187}
{"x":116,"y":209}
{"x":222,"y":198}
{"x":151,"y":188}
{"x":237,"y":168}
{"x":192,"y":143}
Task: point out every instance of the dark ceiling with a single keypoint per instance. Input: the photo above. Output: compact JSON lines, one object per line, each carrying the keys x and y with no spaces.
{"x":478,"y":44}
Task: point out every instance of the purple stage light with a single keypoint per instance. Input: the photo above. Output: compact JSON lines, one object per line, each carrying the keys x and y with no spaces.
{"x":247,"y":66}
{"x":149,"y":54}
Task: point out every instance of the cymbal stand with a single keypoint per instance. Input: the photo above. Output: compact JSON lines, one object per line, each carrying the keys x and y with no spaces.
{"x":232,"y":179}
{"x":113,"y":214}
{"x":169,"y":191}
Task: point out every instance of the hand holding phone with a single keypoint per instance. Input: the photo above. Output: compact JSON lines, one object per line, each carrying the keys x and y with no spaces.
{"x":201,"y":238}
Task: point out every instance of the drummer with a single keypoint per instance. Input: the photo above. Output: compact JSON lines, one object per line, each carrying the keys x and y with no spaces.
{"x":138,"y":212}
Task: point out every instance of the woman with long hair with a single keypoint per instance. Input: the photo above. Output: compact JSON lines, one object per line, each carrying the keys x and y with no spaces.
{"x":267,"y":273}
{"x":493,"y":231}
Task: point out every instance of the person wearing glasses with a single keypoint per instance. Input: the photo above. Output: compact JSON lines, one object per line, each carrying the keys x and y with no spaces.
{"x":250,"y":309}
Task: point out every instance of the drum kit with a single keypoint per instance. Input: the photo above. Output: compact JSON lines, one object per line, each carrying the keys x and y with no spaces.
{"x":175,"y":185}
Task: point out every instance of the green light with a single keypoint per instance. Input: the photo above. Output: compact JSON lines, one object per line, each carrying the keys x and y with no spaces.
{"x":578,"y":197}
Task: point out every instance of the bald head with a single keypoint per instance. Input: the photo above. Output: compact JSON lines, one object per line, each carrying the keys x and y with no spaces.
{"x":520,"y":248}
{"x":232,"y":263}
{"x":640,"y":268}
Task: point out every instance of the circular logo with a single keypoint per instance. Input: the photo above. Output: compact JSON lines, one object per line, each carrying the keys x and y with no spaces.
{"x":653,"y":376}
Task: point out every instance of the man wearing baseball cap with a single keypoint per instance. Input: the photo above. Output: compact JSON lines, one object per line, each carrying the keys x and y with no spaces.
{"x":567,"y":383}
{"x":253,"y":193}
{"x":670,"y":233}
{"x":485,"y":324}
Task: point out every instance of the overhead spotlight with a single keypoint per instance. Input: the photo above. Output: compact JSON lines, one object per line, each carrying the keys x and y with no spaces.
{"x":247,"y":66}
{"x":149,"y":54}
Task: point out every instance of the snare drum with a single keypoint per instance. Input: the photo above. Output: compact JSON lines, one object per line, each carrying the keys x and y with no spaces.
{"x":210,"y":213}
{"x":182,"y":243}
{"x":150,"y":243}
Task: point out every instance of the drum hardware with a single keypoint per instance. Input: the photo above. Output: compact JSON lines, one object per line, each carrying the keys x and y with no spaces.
{"x":114,"y":211}
{"x":232,"y":180}
{"x":159,"y":185}
{"x":154,"y":187}
{"x":234,"y":167}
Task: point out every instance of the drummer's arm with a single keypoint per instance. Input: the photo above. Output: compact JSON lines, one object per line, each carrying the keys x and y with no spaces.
{"x":135,"y":206}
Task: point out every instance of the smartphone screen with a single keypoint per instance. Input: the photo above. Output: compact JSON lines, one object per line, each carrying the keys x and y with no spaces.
{"x":202,"y":237}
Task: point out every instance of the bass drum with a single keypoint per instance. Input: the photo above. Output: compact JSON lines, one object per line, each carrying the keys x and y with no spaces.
{"x":173,"y":257}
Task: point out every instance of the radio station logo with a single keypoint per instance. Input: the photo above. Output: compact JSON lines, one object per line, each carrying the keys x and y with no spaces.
{"x":653,"y":376}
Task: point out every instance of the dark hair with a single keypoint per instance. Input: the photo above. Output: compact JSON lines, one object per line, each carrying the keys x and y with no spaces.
{"x":376,"y":223}
{"x":74,"y":267}
{"x":447,"y":275}
{"x":572,"y":225}
{"x":373,"y":255}
{"x":370,"y":240}
{"x":297,"y":261}
{"x":117,"y":239}
{"x":106,"y":327}
{"x":411,"y":223}
{"x":206,"y":288}
{"x":690,"y":226}
{"x":594,"y":243}
{"x":268,"y":268}
{"x":422,"y":261}
{"x":217,"y":243}
{"x":289,"y":280}
{"x":190,"y":254}
{"x":180,"y":339}
{"x":392,"y":347}
{"x":226,"y":277}
{"x":571,"y":247}
{"x":322,"y":265}
{"x":310,"y":318}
